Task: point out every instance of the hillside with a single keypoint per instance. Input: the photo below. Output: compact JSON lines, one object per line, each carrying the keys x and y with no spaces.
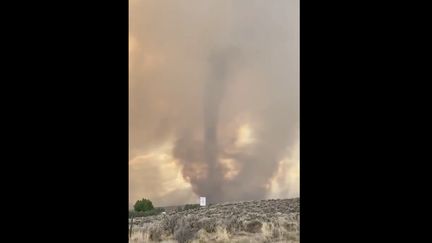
{"x":251,"y":221}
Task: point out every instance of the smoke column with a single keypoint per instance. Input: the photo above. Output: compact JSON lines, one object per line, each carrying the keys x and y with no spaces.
{"x":201,"y":71}
{"x":213,"y":93}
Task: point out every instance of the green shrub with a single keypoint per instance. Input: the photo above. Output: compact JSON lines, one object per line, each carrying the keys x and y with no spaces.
{"x":143,"y":205}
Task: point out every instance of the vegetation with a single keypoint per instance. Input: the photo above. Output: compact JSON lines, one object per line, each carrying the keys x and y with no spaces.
{"x":144,"y":208}
{"x":187,"y":207}
{"x":264,"y":221}
{"x":143,"y":205}
{"x":155,"y":211}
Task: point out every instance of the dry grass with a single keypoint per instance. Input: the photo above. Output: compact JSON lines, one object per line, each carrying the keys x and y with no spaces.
{"x":252,"y":221}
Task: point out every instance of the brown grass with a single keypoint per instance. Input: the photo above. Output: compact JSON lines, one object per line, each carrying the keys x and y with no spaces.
{"x":253,"y":221}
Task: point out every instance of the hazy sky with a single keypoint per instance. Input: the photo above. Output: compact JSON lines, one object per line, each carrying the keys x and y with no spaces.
{"x":213,"y":100}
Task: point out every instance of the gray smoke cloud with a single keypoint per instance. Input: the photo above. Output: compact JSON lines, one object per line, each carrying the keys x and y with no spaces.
{"x":213,"y":93}
{"x":202,"y":69}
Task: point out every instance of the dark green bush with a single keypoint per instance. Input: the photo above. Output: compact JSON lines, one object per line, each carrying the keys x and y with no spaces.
{"x":143,"y":205}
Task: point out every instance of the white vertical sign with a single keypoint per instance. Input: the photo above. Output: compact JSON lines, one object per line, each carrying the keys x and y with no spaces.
{"x":202,"y":201}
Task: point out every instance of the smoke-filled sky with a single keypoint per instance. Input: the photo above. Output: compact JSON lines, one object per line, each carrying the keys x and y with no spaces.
{"x":213,"y":100}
